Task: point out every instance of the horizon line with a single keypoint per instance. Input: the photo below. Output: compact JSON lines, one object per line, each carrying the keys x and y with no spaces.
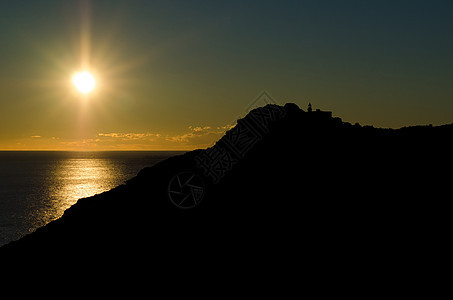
{"x":106,"y":150}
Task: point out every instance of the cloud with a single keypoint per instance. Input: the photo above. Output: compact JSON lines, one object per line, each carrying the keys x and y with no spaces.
{"x":198,"y":136}
{"x":190,"y":138}
{"x":198,"y":128}
{"x":129,"y":136}
{"x":226,"y":127}
{"x":194,"y":137}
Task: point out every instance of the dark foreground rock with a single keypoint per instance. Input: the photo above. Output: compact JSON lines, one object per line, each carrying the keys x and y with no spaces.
{"x":283,"y":188}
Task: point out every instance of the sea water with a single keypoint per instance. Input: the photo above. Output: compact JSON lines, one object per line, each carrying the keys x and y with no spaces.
{"x":37,"y":187}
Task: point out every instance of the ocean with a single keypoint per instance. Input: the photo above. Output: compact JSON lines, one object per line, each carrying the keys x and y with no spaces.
{"x":37,"y":187}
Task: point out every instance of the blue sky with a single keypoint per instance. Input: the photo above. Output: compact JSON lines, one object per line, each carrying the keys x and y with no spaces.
{"x":167,"y":66}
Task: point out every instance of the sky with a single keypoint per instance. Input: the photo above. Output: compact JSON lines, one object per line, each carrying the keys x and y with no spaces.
{"x":174,"y":75}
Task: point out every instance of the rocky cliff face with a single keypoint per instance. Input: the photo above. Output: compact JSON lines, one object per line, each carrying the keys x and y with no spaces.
{"x":284,"y":184}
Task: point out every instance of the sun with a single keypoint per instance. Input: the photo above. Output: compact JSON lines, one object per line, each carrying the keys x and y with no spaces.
{"x":84,"y":82}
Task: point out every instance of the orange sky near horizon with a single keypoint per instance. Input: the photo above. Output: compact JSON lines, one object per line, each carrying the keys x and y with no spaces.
{"x":175,"y":75}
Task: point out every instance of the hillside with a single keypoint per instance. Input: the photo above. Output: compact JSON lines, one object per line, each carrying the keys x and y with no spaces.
{"x":281,"y":183}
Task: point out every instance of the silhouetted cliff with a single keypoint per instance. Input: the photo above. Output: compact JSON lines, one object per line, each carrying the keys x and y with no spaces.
{"x":284,"y":186}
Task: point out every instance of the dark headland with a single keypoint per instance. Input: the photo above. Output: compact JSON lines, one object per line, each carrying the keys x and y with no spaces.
{"x":283,"y":186}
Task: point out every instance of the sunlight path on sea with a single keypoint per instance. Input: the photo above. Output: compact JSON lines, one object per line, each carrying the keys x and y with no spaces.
{"x":37,"y":187}
{"x":72,"y":179}
{"x":77,"y":178}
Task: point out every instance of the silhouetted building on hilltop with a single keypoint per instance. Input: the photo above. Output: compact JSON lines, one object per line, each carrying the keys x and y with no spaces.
{"x":319,"y":113}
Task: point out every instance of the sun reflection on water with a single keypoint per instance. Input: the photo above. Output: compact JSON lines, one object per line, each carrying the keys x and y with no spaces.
{"x":36,"y":187}
{"x":73,"y":179}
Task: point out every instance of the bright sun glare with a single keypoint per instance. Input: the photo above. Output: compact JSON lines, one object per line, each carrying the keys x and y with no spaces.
{"x":84,"y":82}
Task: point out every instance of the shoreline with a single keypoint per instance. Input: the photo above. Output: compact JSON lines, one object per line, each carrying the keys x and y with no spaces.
{"x":342,"y":179}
